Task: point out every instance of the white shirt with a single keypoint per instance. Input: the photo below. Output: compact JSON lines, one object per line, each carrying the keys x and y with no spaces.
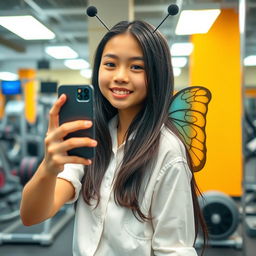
{"x":111,"y":230}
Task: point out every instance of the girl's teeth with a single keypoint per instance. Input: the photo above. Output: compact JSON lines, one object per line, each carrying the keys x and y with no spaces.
{"x":121,"y":92}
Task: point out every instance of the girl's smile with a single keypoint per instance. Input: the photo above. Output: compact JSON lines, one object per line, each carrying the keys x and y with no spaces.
{"x":120,"y":93}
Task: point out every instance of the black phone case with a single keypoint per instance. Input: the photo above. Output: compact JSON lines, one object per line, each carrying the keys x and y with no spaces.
{"x":75,"y":109}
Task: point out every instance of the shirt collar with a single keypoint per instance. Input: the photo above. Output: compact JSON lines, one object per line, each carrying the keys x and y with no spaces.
{"x":112,"y":126}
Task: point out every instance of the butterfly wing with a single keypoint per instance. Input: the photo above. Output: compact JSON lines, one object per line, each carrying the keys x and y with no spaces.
{"x":188,"y":111}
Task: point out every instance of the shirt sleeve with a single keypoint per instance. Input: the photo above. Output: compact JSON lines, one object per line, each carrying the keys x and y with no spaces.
{"x":74,"y":174}
{"x":172,"y":212}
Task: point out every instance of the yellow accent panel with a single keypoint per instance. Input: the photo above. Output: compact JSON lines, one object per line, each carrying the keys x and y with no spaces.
{"x":2,"y":105}
{"x":215,"y":64}
{"x":30,"y":92}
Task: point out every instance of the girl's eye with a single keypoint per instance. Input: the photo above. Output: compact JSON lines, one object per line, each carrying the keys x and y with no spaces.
{"x":137,"y":67}
{"x":110,"y":64}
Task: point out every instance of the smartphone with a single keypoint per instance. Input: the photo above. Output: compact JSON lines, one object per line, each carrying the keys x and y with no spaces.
{"x":78,"y":106}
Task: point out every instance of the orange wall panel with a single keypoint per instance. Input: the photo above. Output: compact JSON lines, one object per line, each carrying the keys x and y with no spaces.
{"x":2,"y":105}
{"x":27,"y":77}
{"x":215,"y":64}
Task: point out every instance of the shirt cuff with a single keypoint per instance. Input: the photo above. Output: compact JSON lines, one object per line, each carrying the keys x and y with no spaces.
{"x":74,"y":174}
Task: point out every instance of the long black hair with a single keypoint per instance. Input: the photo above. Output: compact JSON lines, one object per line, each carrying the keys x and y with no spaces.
{"x":145,"y":127}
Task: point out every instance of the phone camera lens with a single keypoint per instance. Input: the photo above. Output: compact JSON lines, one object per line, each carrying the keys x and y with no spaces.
{"x":83,"y":94}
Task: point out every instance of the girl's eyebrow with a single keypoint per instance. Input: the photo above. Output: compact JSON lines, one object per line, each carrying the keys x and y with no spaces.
{"x":116,"y":57}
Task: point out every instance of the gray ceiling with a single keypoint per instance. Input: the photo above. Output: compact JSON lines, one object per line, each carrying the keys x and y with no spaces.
{"x":68,"y":20}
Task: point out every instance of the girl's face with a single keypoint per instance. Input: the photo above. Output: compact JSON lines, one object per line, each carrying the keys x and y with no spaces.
{"x":122,"y":78}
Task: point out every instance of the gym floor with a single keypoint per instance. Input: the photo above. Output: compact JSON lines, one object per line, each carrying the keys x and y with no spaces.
{"x":62,"y":244}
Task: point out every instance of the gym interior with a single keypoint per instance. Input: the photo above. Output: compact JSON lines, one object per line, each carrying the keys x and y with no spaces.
{"x":220,"y":57}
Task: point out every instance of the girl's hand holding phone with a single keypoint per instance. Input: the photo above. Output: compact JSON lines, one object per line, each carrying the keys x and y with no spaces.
{"x":56,"y":147}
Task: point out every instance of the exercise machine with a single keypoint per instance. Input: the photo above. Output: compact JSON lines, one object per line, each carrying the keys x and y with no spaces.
{"x":249,"y":182}
{"x":42,"y":234}
{"x":222,"y":217}
{"x":16,"y":169}
{"x":10,"y":190}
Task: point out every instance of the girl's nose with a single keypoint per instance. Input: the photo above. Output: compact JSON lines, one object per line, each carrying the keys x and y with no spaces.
{"x":121,"y":75}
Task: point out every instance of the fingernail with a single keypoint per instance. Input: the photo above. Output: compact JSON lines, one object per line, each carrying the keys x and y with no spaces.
{"x":88,"y":123}
{"x":94,"y":143}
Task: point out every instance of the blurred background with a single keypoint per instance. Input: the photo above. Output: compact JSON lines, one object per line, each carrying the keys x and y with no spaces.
{"x":46,"y":43}
{"x":67,"y":25}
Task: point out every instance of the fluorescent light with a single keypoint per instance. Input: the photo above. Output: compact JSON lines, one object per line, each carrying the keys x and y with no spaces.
{"x":87,"y":73}
{"x":196,"y":21}
{"x":179,"y":62}
{"x":181,"y":49}
{"x":250,"y":60}
{"x":26,"y":27}
{"x":176,"y":71}
{"x":76,"y":64}
{"x":61,"y":52}
{"x":8,"y":76}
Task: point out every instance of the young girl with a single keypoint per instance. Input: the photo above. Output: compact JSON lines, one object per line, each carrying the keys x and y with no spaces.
{"x":138,"y":195}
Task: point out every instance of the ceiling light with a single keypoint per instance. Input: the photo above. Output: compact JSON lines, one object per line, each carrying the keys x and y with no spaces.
{"x":181,"y":49}
{"x":76,"y":64}
{"x":250,"y":60}
{"x":87,"y":73}
{"x":61,"y":52}
{"x":176,"y":71}
{"x":196,"y":21}
{"x":27,"y":27}
{"x":8,"y":76}
{"x":179,"y":62}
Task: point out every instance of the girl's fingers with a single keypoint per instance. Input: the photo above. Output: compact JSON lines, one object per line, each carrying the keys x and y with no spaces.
{"x":61,"y":160}
{"x":63,"y":147}
{"x":69,"y":127}
{"x":77,"y":160}
{"x":54,"y":112}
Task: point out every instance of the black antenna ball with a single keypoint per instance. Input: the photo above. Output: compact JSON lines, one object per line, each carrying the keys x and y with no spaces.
{"x":173,"y":9}
{"x":91,"y":11}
